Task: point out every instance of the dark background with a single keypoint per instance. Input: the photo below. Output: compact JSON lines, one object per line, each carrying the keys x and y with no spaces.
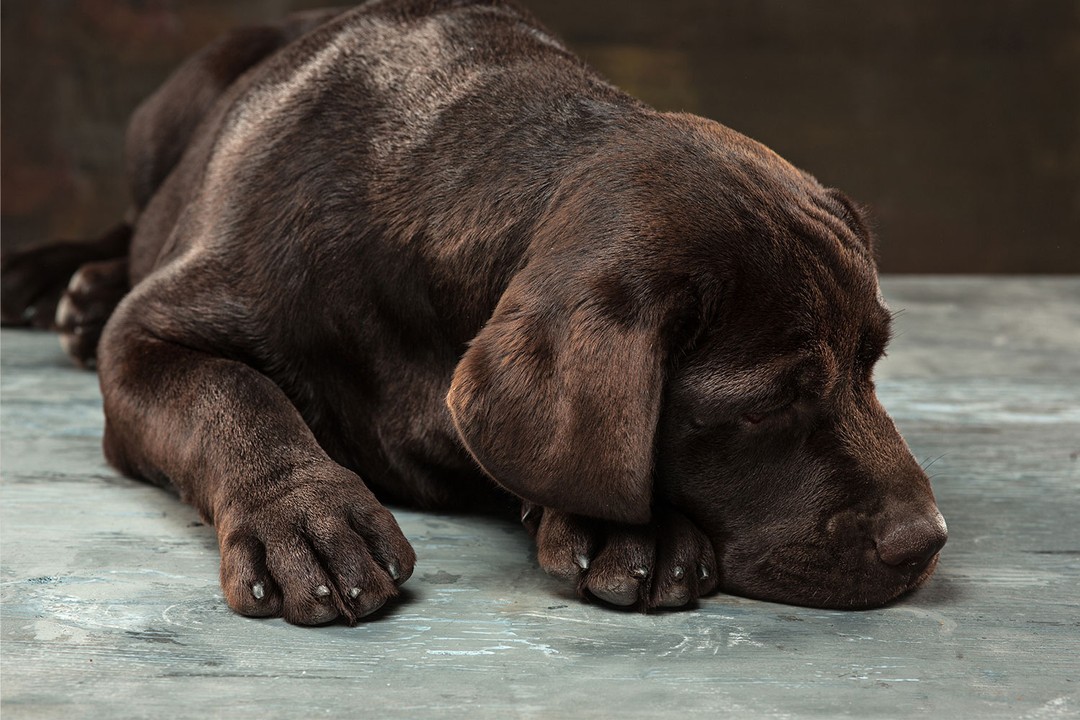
{"x":956,"y":121}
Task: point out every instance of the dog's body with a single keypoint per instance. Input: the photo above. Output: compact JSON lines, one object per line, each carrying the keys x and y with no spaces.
{"x":421,"y":244}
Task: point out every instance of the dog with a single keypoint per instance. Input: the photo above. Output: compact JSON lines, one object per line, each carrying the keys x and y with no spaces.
{"x":418,"y":252}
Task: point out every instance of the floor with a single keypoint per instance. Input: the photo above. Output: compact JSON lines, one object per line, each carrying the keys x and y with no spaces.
{"x":110,"y":606}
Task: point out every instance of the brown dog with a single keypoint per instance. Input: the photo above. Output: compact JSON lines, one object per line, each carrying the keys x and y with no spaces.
{"x":419,"y":246}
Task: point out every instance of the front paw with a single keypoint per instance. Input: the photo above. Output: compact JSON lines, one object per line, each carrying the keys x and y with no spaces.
{"x":321,"y":549}
{"x":668,"y":563}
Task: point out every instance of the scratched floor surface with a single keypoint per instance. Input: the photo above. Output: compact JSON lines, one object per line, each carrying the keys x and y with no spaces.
{"x":111,"y":607}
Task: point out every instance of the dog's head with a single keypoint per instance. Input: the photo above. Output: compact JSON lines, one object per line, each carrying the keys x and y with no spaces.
{"x":696,"y":324}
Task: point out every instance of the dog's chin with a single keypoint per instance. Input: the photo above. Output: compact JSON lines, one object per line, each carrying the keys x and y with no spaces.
{"x":873,"y":585}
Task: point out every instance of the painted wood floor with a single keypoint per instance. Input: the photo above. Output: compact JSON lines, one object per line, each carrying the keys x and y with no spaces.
{"x":110,"y":606}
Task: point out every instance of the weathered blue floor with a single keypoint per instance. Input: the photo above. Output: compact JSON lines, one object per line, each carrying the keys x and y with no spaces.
{"x":111,"y":606}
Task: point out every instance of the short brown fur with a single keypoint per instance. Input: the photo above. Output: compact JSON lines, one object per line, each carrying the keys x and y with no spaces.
{"x":418,"y":250}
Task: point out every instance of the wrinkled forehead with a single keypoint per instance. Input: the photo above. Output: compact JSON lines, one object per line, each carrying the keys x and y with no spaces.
{"x":839,"y":292}
{"x":822,"y":260}
{"x":819,"y":293}
{"x":809,"y":338}
{"x":796,"y":258}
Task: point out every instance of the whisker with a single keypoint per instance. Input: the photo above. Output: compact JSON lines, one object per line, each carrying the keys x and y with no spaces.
{"x":927,"y":466}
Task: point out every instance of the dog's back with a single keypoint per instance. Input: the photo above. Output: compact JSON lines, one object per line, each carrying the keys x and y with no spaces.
{"x":85,"y":279}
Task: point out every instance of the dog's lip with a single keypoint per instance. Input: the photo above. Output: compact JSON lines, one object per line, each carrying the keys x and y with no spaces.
{"x":883,"y":584}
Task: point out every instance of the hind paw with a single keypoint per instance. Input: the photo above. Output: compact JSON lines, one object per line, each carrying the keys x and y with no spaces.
{"x":30,"y":287}
{"x":33,"y":278}
{"x":91,"y":296}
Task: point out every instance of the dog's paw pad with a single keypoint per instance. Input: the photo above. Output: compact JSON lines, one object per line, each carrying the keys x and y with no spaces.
{"x":678,"y":591}
{"x":622,"y":593}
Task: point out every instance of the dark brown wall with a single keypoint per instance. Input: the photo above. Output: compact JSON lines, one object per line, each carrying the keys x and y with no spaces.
{"x":957,"y":122}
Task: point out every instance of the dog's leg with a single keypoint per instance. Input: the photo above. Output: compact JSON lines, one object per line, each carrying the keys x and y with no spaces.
{"x":667,"y":563}
{"x":300,"y":536}
{"x":32,"y":279}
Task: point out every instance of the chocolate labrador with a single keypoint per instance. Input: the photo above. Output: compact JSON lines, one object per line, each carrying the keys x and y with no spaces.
{"x":419,"y":251}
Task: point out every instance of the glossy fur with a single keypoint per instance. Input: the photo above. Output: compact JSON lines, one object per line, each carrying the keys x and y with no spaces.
{"x":423,"y":247}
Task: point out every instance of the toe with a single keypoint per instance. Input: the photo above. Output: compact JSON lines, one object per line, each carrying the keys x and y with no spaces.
{"x":363,"y":585}
{"x":672,"y":587}
{"x":386,"y":544}
{"x":684,"y":563}
{"x":622,"y":592}
{"x":308,"y":591}
{"x":248,"y":588}
{"x":620,"y":573}
{"x":564,"y":544}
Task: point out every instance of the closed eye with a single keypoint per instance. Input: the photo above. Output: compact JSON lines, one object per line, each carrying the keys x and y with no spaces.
{"x":757,"y":417}
{"x":871,"y":349}
{"x":875,"y":338}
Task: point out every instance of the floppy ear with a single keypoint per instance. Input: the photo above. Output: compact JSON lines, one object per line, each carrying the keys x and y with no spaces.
{"x":558,"y":396}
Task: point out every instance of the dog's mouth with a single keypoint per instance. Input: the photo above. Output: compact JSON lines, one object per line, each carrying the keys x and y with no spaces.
{"x":818,"y":577}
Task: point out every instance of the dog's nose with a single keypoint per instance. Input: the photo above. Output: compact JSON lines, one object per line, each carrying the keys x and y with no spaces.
{"x":911,"y":541}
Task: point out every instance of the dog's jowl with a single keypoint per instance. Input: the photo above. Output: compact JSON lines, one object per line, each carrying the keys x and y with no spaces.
{"x":419,"y":252}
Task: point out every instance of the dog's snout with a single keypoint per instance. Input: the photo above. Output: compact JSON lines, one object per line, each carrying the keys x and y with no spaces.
{"x":911,"y":541}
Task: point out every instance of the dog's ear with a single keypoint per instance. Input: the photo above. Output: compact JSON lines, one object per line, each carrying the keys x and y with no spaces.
{"x":558,"y":396}
{"x":854,"y":216}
